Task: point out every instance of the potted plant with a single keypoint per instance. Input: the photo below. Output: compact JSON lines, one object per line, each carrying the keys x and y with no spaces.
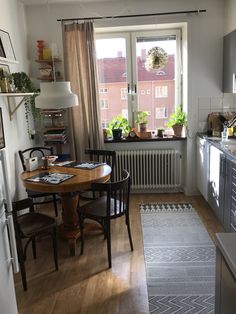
{"x":22,"y":83}
{"x":117,"y":126}
{"x":142,"y":120}
{"x":177,"y":120}
{"x":160,"y":132}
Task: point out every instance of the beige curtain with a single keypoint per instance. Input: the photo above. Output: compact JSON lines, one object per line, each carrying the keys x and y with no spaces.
{"x":81,"y":71}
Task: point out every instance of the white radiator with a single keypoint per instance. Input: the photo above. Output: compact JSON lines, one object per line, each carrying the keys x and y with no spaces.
{"x":151,"y":169}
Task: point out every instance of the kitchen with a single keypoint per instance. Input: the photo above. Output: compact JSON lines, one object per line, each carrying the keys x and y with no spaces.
{"x":203,"y":54}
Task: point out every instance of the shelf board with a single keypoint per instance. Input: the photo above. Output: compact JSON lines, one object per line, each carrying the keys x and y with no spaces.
{"x":16,"y":94}
{"x":49,"y":61}
{"x":49,"y":78}
{"x":5,"y":60}
{"x":10,"y":95}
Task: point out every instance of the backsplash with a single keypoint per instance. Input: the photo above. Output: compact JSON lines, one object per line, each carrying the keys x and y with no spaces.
{"x":207,"y":105}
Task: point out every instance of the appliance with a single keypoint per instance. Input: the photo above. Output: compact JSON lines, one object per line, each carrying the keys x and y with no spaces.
{"x":8,"y":251}
{"x":152,"y":169}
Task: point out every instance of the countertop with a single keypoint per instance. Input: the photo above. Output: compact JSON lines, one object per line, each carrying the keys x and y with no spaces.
{"x":226,"y":243}
{"x":228,"y":146}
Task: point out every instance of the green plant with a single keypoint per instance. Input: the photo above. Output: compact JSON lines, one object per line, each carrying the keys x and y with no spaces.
{"x":119,"y":122}
{"x":179,"y":117}
{"x":142,"y":117}
{"x":23,"y":84}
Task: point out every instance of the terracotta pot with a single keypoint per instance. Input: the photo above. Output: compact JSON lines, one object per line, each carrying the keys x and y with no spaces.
{"x":143,"y":127}
{"x":177,"y":130}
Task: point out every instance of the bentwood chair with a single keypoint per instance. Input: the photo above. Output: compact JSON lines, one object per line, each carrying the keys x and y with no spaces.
{"x":28,"y":227}
{"x":112,"y":205}
{"x":38,"y":152}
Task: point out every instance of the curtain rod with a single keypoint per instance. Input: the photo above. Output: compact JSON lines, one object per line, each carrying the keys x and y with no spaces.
{"x":135,"y":15}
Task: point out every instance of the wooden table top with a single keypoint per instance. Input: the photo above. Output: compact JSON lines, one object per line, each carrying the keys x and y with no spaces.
{"x":81,"y":181}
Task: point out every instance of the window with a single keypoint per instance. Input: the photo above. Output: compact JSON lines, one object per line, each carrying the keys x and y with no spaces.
{"x":103,"y":103}
{"x":123,"y":93}
{"x":121,"y":63}
{"x":161,"y":113}
{"x":105,"y":124}
{"x":103,"y":90}
{"x":161,"y":91}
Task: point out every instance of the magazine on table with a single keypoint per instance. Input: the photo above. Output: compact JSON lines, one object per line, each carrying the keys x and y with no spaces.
{"x":84,"y":164}
{"x":50,"y":177}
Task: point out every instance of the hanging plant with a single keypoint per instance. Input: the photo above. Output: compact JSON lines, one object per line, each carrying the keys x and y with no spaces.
{"x":156,"y":58}
{"x":23,"y":84}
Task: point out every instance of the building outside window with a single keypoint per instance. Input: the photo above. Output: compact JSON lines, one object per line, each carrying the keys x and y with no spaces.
{"x":103,"y":103}
{"x":123,"y":93}
{"x":103,"y":90}
{"x":105,"y":124}
{"x":161,"y":113}
{"x":161,"y":91}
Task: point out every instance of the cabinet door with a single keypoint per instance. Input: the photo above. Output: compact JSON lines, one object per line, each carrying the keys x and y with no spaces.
{"x":216,"y":181}
{"x":227,"y":195}
{"x":229,"y":64}
{"x":202,"y":167}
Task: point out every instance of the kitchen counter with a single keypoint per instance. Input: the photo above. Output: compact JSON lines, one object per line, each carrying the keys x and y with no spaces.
{"x":226,"y":242}
{"x":228,"y":146}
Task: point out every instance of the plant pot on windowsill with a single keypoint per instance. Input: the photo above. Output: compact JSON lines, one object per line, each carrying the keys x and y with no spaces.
{"x":117,"y":134}
{"x":177,"y":130}
{"x":143,"y":127}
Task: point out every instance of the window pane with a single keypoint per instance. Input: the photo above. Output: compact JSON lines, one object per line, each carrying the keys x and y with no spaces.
{"x":112,"y":77}
{"x":159,"y":84}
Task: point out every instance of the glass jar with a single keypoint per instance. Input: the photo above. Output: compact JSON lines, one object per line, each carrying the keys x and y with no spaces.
{"x":47,"y":120}
{"x":58,"y":120}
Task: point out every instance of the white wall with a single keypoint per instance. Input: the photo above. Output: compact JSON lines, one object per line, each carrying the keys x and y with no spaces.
{"x":12,"y":20}
{"x":230,"y":16}
{"x":204,"y":35}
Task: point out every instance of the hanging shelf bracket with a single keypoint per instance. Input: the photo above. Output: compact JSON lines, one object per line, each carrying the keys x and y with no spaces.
{"x":10,"y":95}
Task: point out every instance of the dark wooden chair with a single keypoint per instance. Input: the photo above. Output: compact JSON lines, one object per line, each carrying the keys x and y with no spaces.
{"x":112,"y":205}
{"x":38,"y":152}
{"x":102,"y":155}
{"x":99,"y":155}
{"x":28,"y":227}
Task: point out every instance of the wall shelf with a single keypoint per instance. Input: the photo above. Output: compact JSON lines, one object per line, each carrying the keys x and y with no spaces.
{"x":6,"y":61}
{"x":10,"y":95}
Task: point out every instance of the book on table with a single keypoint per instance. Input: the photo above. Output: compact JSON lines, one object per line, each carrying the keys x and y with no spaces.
{"x":50,"y":177}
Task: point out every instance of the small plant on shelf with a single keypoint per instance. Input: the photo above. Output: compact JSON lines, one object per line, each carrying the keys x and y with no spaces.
{"x":117,"y":126}
{"x":177,"y":120}
{"x":23,"y":84}
{"x":142,"y":120}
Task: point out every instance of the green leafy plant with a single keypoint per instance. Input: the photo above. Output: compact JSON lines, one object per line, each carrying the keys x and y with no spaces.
{"x":179,"y":117}
{"x":119,"y":122}
{"x":142,"y":117}
{"x":23,"y":84}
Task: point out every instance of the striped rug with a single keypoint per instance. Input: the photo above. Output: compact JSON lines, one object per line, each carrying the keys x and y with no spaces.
{"x":180,"y":259}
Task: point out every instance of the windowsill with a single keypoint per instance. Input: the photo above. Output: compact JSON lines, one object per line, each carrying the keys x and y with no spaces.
{"x":153,"y":139}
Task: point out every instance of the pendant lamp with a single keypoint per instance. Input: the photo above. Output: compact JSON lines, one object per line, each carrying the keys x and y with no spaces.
{"x":56,"y":95}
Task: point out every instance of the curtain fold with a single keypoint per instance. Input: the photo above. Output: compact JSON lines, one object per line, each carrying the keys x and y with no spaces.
{"x":81,"y":71}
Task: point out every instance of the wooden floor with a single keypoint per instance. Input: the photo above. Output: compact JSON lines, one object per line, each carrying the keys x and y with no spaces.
{"x":84,"y":284}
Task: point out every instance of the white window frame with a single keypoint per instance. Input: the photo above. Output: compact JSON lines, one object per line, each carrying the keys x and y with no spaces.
{"x":123,"y":93}
{"x":130,"y":33}
{"x":103,"y":90}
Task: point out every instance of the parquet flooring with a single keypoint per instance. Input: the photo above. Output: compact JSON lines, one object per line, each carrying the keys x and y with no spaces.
{"x":84,"y":284}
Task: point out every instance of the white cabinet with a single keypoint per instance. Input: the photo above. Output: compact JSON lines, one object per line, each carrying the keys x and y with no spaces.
{"x":202,"y":166}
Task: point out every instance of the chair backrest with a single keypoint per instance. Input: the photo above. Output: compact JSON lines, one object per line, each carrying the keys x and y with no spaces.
{"x":102,"y":155}
{"x":117,"y":195}
{"x":34,"y":152}
{"x":19,"y":206}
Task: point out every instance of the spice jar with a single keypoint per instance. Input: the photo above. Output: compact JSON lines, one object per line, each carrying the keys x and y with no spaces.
{"x":58,"y":120}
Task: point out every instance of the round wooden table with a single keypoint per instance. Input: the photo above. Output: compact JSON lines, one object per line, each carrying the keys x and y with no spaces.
{"x":68,"y":190}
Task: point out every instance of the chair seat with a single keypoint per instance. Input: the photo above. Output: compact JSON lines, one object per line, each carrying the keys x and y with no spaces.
{"x":98,"y":208}
{"x":37,"y":194}
{"x":35,"y":223}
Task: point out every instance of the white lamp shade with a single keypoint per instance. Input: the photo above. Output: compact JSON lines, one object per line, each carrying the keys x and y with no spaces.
{"x":56,"y":95}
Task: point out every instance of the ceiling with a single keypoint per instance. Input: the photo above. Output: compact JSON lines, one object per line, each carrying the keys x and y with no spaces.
{"x":34,"y":2}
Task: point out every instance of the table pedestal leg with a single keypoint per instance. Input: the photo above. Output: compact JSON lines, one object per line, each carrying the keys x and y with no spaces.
{"x":69,"y":230}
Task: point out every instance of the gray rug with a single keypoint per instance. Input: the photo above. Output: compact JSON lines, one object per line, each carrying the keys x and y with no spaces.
{"x":180,"y":260}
